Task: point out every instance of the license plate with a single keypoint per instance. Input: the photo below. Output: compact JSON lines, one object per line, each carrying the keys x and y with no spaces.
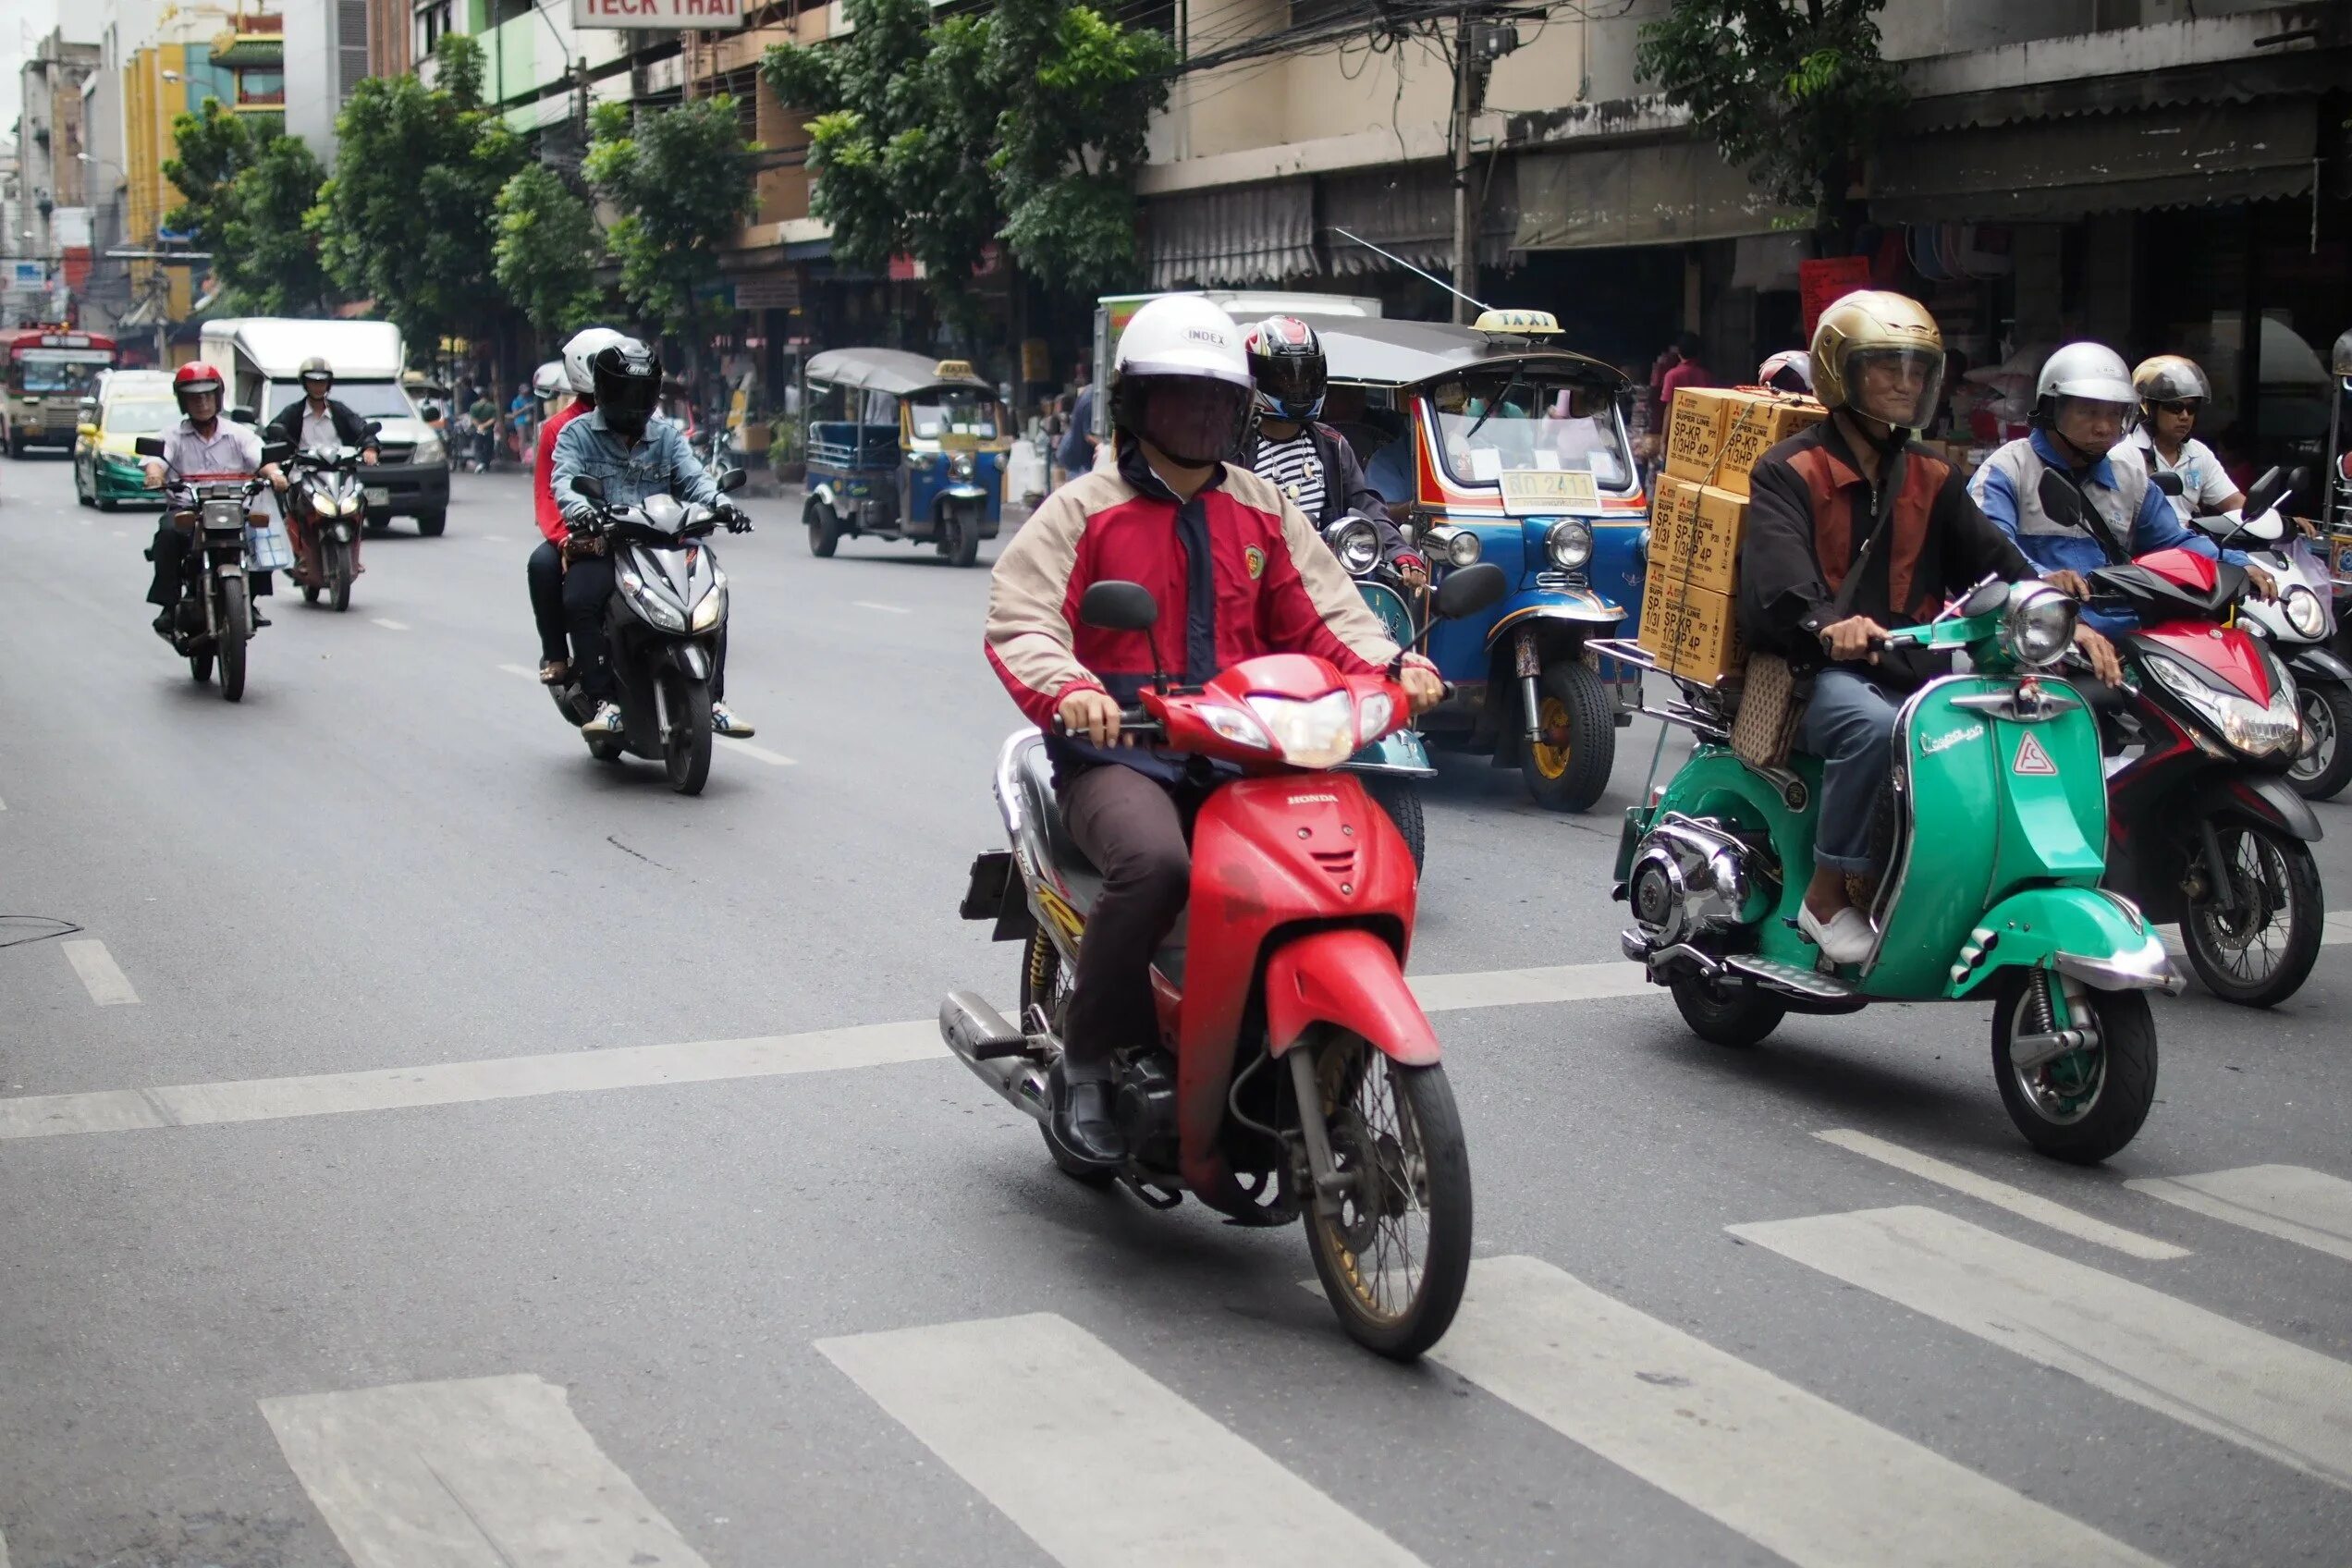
{"x":378,"y":497}
{"x":1536,"y":492}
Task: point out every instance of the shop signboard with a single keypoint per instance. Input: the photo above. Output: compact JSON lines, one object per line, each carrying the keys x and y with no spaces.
{"x":660,"y":16}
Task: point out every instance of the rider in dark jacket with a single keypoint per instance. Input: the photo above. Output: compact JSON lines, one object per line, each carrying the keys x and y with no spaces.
{"x":306,"y":419}
{"x":1308,"y":461}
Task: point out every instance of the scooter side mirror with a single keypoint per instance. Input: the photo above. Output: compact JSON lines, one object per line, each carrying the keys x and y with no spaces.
{"x":2059,"y":498}
{"x":242,"y":416}
{"x":148,"y":446}
{"x":733,"y":479}
{"x":2168,"y":482}
{"x":1985,"y":598}
{"x":1114,"y":606}
{"x":2267,"y":492}
{"x":1469,"y":589}
{"x":588,"y":485}
{"x":277,"y":451}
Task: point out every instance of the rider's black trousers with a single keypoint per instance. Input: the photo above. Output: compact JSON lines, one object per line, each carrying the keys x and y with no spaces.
{"x":546,"y":574}
{"x":169,"y":553}
{"x":1131,"y":827}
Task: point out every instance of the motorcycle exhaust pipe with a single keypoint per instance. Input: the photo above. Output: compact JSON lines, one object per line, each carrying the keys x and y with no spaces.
{"x":995,"y":1050}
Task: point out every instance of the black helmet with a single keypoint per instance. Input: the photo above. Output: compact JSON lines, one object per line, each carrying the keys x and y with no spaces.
{"x":1286,"y":368}
{"x":627,"y":385}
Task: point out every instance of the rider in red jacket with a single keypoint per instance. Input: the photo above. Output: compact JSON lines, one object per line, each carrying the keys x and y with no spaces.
{"x":547,"y":568}
{"x":1238,"y":572}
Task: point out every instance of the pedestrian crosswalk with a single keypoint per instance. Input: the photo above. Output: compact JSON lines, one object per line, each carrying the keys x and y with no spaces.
{"x":499,"y":1472}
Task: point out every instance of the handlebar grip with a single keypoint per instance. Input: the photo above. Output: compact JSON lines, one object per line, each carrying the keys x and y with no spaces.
{"x":1445,"y":691}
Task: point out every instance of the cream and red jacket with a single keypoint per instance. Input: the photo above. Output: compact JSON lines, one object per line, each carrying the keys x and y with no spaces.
{"x":1238,"y":572}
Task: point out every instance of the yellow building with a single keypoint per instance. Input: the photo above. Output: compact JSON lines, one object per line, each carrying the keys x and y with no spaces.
{"x":166,"y":79}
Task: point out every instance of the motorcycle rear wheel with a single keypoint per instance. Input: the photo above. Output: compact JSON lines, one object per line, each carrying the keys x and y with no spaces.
{"x":1739,"y":1017}
{"x":236,"y":627}
{"x":2321,"y":774}
{"x":2251,"y":965}
{"x":1393,"y":1255}
{"x":2077,"y":1111}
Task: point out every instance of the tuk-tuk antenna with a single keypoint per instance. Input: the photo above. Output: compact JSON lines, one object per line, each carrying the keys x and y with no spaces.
{"x":1408,"y":267}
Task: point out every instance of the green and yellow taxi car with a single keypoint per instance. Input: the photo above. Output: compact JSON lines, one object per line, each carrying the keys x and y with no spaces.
{"x":125,"y":406}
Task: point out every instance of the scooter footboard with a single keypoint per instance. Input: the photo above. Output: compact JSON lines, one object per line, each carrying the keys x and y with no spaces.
{"x":1349,"y":979}
{"x":2090,"y":935}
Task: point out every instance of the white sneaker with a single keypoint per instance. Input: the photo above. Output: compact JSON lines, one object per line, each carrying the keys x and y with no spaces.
{"x":606,"y":720}
{"x":729,"y":723}
{"x":1845,"y":938}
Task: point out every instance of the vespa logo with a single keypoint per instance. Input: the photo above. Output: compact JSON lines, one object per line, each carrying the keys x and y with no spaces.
{"x":1313,"y":800}
{"x":1950,"y":738}
{"x":2032,"y":759}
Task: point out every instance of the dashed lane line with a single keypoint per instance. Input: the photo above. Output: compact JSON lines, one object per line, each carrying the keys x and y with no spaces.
{"x":390,"y":625}
{"x":101,"y":976}
{"x":2001,"y":1194}
{"x":523,"y":670}
{"x":761,"y":753}
{"x":885,"y":609}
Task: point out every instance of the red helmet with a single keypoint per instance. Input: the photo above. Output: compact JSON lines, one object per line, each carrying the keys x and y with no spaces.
{"x":193,"y":377}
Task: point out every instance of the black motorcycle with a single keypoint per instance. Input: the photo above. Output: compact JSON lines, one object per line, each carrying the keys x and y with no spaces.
{"x":663,"y":628}
{"x":214,"y":621}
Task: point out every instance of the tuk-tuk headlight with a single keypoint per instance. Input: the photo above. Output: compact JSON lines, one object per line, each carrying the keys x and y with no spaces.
{"x":963,"y":465}
{"x":2304,"y":612}
{"x":1569,"y":544}
{"x":1357,"y":543}
{"x":2040,"y":624}
{"x":1459,"y":546}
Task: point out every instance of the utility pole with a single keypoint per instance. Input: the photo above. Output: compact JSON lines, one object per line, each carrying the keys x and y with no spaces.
{"x":1466,"y":236}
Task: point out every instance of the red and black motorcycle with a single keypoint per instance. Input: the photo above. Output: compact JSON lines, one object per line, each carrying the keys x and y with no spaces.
{"x":1294,"y":1073}
{"x":2203,"y":825}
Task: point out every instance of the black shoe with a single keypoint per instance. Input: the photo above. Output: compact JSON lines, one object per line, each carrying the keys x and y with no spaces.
{"x":164,"y":624}
{"x":1083,"y":1124}
{"x":259,"y":620}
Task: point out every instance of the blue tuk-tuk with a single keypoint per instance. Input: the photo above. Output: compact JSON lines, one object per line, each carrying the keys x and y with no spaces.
{"x":901,"y":447}
{"x":1491,"y":444}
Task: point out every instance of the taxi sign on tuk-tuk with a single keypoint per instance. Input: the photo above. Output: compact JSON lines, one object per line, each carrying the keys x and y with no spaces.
{"x":1517,"y":324}
{"x":954,"y":370}
{"x":1535,"y":491}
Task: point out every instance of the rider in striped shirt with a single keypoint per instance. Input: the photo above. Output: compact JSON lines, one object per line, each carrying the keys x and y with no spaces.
{"x":1309,"y":462}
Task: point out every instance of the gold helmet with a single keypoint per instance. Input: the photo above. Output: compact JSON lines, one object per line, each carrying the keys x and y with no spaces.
{"x":1873,"y":328}
{"x":2170,"y":378}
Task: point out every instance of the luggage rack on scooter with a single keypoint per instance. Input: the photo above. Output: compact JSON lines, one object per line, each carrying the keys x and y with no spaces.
{"x":1703,"y":711}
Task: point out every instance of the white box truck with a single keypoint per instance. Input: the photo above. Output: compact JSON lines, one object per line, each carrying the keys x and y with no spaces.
{"x":261,"y":357}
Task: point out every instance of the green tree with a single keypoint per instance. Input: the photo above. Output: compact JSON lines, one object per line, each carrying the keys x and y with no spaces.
{"x":409,"y":217}
{"x":264,"y":253}
{"x":214,"y":146}
{"x":547,"y":248}
{"x":1795,"y":91}
{"x":1080,"y":91}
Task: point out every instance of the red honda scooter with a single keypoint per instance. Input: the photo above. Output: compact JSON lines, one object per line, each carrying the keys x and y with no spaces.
{"x":1294,"y":1073}
{"x":2203,"y":825}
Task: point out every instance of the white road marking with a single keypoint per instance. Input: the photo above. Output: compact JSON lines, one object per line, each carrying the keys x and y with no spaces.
{"x":478,"y":1473}
{"x":457,"y":1082}
{"x":493,"y":538}
{"x":885,"y":609}
{"x":2310,"y":1208}
{"x":1815,"y":1483}
{"x":2277,"y":1397}
{"x":2017,"y":1200}
{"x":101,"y":976}
{"x":4,"y":806}
{"x":389,"y":625}
{"x":1023,"y":1407}
{"x":1522,"y":987}
{"x":523,"y":670}
{"x":761,"y":753}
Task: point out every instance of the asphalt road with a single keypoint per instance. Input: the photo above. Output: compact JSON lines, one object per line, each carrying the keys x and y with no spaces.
{"x":505,"y":1162}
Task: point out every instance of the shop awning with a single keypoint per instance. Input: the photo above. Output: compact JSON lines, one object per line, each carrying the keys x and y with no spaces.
{"x":1238,"y":236}
{"x":1408,"y":210}
{"x":2050,"y":171}
{"x":1649,"y":193}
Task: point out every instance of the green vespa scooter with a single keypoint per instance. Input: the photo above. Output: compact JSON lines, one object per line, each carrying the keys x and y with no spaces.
{"x":1993,"y":840}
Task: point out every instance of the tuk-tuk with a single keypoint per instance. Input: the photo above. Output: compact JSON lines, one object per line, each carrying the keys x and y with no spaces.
{"x":901,"y":447}
{"x":1491,"y":443}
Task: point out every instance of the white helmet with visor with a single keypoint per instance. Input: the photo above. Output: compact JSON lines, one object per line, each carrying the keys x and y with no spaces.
{"x":582,"y":348}
{"x":1181,"y":381}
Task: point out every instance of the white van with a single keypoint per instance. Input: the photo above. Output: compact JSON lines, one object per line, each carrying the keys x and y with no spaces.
{"x":261,"y":357}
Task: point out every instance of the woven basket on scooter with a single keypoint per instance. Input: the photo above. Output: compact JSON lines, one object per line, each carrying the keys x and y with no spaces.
{"x":1770,"y":707}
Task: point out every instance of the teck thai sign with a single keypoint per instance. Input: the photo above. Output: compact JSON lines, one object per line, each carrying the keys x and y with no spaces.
{"x":658,"y":15}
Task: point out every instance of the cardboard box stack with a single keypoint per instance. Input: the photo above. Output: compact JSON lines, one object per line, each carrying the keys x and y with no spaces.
{"x":1713,"y":437}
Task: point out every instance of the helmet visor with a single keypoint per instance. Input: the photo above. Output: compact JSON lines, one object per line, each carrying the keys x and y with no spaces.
{"x":627,"y":401}
{"x":1194,"y":421}
{"x":1898,"y":385}
{"x":1291,"y":385}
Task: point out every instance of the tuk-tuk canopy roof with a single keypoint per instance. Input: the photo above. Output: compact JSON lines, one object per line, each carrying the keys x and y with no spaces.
{"x":1382,"y":352}
{"x":892,"y":371}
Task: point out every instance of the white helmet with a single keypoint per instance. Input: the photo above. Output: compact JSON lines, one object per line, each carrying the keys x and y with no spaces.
{"x":2085,"y":370}
{"x":1791,"y":370}
{"x":1187,"y":341}
{"x":580,"y":350}
{"x":549,"y":379}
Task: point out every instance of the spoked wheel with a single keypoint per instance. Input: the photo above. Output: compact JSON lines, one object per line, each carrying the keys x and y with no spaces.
{"x":2259,"y":953}
{"x":2321,"y":773}
{"x":1393,"y":1252}
{"x":2078,"y":1093}
{"x":824,"y":529}
{"x":1045,"y":984}
{"x":1738,"y":1016}
{"x":1401,"y":797}
{"x":686,"y":744}
{"x":236,"y":630}
{"x":1569,"y":768}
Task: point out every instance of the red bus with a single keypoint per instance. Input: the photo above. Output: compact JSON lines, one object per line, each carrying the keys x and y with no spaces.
{"x":51,"y":369}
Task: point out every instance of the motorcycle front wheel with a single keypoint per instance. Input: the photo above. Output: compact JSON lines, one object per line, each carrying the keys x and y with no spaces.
{"x":1401,"y":799}
{"x":1393,"y":1250}
{"x":2259,"y":953}
{"x":236,"y":628}
{"x":686,"y":745}
{"x":2321,"y":773}
{"x":2083,"y":1105}
{"x":337,"y":561}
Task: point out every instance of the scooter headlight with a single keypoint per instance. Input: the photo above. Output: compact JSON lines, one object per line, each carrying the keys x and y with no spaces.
{"x":2305,"y":612}
{"x":2040,"y":623}
{"x":712,"y":609}
{"x":1320,"y":733}
{"x":650,"y":605}
{"x":2252,"y":728}
{"x":1374,"y":714}
{"x":1569,"y":544}
{"x":1233,"y":725}
{"x":1357,"y":543}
